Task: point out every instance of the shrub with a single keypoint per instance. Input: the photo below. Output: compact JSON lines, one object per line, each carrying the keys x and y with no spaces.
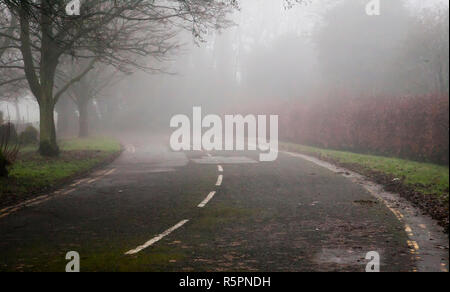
{"x":29,"y":136}
{"x":8,"y":131}
{"x":3,"y":164}
{"x":411,"y":127}
{"x":8,"y":149}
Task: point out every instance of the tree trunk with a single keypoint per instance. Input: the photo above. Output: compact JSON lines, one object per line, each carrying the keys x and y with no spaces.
{"x":66,"y":117}
{"x":441,"y":79}
{"x":16,"y":105}
{"x":41,"y":85}
{"x":83,"y":119}
{"x":48,"y":146}
{"x":3,"y":164}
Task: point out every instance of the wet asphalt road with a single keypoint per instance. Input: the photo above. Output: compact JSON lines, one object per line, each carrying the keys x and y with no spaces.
{"x":287,"y":215}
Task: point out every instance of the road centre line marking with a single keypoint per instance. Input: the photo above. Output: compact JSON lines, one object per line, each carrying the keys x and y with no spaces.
{"x":219,"y":180}
{"x":220,"y":168}
{"x":156,"y":238}
{"x":206,"y":200}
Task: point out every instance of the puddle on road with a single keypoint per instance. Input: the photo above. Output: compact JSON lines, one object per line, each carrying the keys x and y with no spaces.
{"x":423,"y":232}
{"x":341,"y":257}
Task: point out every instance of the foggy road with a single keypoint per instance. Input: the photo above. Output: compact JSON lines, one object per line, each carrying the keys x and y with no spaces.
{"x":333,"y":118}
{"x":287,"y":215}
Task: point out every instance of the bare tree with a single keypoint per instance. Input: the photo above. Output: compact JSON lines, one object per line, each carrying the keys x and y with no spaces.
{"x":11,"y":79}
{"x":7,"y":26}
{"x":117,"y":33}
{"x":88,"y":88}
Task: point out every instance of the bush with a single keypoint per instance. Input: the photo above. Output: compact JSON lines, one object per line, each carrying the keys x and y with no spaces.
{"x":8,"y":148}
{"x":411,"y":127}
{"x":8,"y":132}
{"x":3,"y":164}
{"x":29,"y":136}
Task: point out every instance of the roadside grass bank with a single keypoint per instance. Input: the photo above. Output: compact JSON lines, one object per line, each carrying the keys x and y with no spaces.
{"x":426,"y":185}
{"x":33,"y":175}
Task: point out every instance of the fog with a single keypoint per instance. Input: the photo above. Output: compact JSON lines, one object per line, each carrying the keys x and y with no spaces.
{"x":224,"y":135}
{"x":275,"y":54}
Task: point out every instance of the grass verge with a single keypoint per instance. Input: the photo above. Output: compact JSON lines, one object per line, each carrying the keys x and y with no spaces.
{"x":424,"y":184}
{"x":33,"y":174}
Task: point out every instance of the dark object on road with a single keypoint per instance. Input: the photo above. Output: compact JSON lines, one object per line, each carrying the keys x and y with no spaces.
{"x":29,"y":136}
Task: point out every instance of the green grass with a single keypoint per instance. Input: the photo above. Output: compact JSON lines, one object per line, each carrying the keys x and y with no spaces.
{"x":98,"y":144}
{"x":32,"y":173}
{"x":426,"y":178}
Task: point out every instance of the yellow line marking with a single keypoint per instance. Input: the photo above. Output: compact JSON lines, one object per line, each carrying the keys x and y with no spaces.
{"x":93,"y":180}
{"x":110,"y":172}
{"x":413,"y":244}
{"x":41,"y":199}
{"x":105,"y":173}
{"x":68,"y":192}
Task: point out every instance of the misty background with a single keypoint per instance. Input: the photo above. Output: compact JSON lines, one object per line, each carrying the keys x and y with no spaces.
{"x":272,"y":57}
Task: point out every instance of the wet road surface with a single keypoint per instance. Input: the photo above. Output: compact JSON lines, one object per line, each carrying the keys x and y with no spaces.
{"x":156,"y":210}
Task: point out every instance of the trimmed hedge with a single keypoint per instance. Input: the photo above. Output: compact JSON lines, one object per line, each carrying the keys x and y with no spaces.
{"x":411,"y":127}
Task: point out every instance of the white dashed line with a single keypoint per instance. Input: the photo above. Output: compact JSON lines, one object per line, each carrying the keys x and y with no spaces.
{"x":156,"y":239}
{"x":208,"y":198}
{"x":220,"y":168}
{"x":219,"y":180}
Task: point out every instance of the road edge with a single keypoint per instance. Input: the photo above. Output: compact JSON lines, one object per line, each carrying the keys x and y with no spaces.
{"x":427,"y":240}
